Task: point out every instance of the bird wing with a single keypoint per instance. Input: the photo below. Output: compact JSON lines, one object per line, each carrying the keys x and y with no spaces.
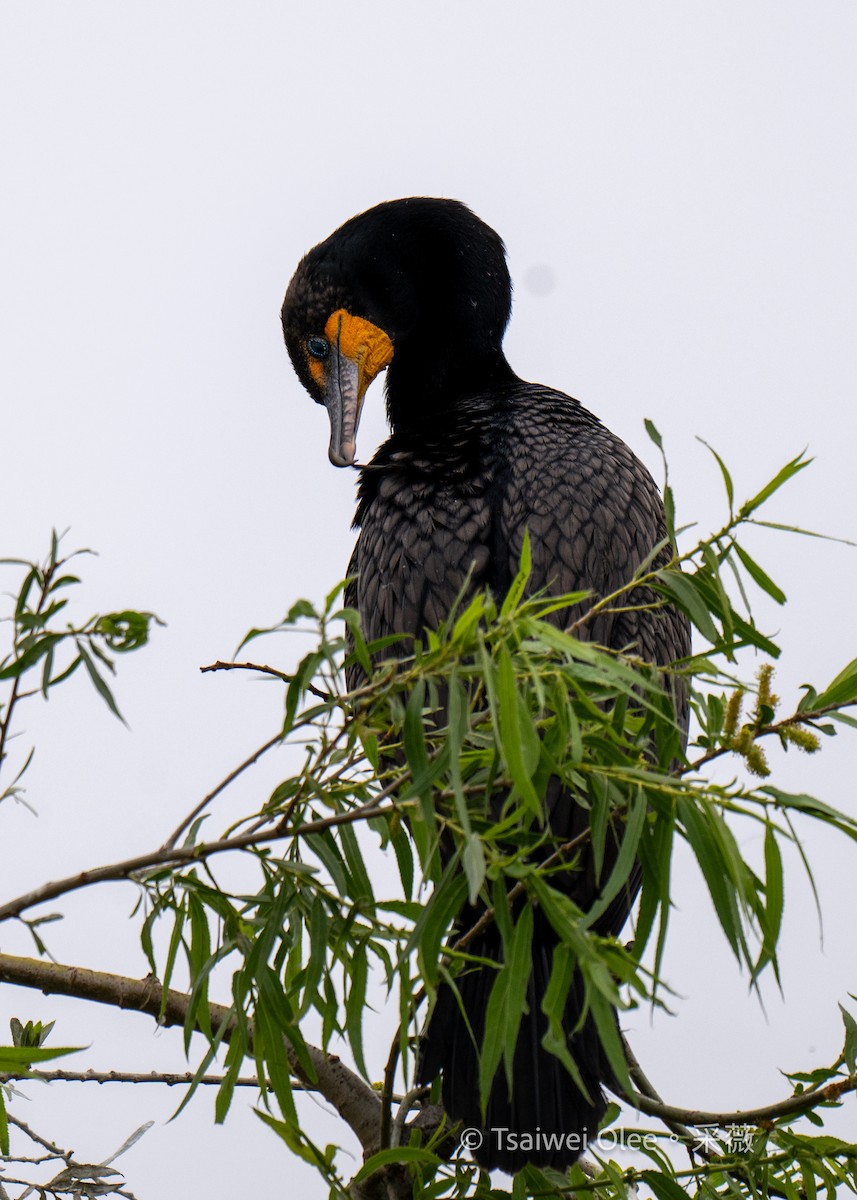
{"x":593,"y":514}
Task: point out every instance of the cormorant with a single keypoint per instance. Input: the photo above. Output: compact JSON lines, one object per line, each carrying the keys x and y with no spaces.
{"x":475,"y":457}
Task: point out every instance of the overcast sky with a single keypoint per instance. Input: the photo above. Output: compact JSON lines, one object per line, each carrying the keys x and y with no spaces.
{"x":676,"y":186}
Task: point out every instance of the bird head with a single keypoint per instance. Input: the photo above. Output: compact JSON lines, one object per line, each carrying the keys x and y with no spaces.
{"x":417,"y":285}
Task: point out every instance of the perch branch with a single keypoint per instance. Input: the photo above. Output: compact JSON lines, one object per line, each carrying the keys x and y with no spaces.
{"x":354,"y":1100}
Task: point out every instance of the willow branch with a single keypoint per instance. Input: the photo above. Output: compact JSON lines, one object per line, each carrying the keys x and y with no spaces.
{"x":796,"y":718}
{"x":648,"y":1090}
{"x":262,"y":669}
{"x":53,"y":1151}
{"x":14,"y":695}
{"x":174,"y":856}
{"x":224,"y":783}
{"x":793,"y":1106}
{"x":168,"y":1080}
{"x":354,"y":1100}
{"x":519,"y":889}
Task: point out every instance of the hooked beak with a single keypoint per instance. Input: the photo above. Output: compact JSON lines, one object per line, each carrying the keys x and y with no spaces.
{"x":359,"y":350}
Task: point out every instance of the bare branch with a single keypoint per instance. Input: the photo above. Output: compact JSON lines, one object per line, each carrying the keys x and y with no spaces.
{"x":356,"y":1102}
{"x":793,"y":1106}
{"x":224,"y":783}
{"x":265,"y":670}
{"x":647,"y":1088}
{"x":53,"y":1151}
{"x":168,"y":1080}
{"x":262,"y":669}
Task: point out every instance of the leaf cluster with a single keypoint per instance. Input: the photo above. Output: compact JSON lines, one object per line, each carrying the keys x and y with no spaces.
{"x":42,"y":650}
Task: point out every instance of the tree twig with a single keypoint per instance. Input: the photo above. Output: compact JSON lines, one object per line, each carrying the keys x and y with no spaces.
{"x":796,"y":718}
{"x":262,"y":669}
{"x":184,"y":854}
{"x":792,"y":1106}
{"x":224,"y":783}
{"x":5,"y":723}
{"x":647,"y":1089}
{"x":169,"y":1080}
{"x":354,"y":1100}
{"x":53,"y":1150}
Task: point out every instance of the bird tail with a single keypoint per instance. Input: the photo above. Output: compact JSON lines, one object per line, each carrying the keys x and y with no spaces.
{"x":545,"y":1119}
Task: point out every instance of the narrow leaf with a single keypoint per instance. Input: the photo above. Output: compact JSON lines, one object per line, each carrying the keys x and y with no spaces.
{"x":759,"y":576}
{"x":791,"y":468}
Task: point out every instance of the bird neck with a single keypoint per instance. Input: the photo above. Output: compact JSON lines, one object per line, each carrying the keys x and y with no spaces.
{"x":422,"y":388}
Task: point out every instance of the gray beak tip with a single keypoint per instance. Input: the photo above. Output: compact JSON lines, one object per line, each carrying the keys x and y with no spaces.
{"x":344,"y":455}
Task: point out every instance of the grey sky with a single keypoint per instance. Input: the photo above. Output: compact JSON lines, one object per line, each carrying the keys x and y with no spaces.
{"x":676,"y":186}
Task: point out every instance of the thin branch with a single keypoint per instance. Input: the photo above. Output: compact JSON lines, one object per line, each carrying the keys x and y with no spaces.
{"x":796,"y":718}
{"x":793,"y":1106}
{"x":53,"y":1150}
{"x":519,"y":889}
{"x":178,"y":1079}
{"x":224,"y":783}
{"x":386,"y":792}
{"x":169,"y":1080}
{"x":647,"y":1088}
{"x":262,"y":669}
{"x":170,"y":842}
{"x":5,"y":724}
{"x":354,"y":1100}
{"x":220,"y":665}
{"x":405,"y":1106}
{"x":184,"y":854}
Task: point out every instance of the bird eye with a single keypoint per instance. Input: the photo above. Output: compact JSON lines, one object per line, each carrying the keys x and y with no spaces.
{"x":318,"y":347}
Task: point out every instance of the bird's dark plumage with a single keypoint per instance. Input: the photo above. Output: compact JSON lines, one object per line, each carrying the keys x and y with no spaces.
{"x":476,"y":457}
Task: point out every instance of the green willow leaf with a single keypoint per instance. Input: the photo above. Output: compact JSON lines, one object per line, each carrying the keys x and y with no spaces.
{"x":684,"y":590}
{"x":759,"y":576}
{"x":774,"y":894}
{"x":625,"y":860}
{"x":849,"y":1050}
{"x":841,"y":690}
{"x":798,"y":463}
{"x":702,"y":835}
{"x":727,"y":478}
{"x":19,"y":1058}
{"x":441,"y":909}
{"x":397,"y":1154}
{"x":99,"y":683}
{"x":653,"y":432}
{"x":519,"y":583}
{"x":473,"y":861}
{"x":506,"y":1004}
{"x":519,"y":739}
{"x":31,"y":656}
{"x":664,"y":1187}
{"x":355,"y":1005}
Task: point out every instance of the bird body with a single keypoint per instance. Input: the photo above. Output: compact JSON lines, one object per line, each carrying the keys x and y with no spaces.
{"x":476,"y":459}
{"x":438,"y":508}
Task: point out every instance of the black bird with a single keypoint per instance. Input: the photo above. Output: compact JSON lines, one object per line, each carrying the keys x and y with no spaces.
{"x":475,"y":457}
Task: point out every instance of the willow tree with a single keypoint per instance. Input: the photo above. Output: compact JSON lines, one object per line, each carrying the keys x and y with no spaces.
{"x":495,"y":703}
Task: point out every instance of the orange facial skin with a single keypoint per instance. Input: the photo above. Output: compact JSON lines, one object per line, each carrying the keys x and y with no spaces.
{"x":359,"y":351}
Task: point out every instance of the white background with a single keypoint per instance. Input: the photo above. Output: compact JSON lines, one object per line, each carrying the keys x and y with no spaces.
{"x":675,"y":183}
